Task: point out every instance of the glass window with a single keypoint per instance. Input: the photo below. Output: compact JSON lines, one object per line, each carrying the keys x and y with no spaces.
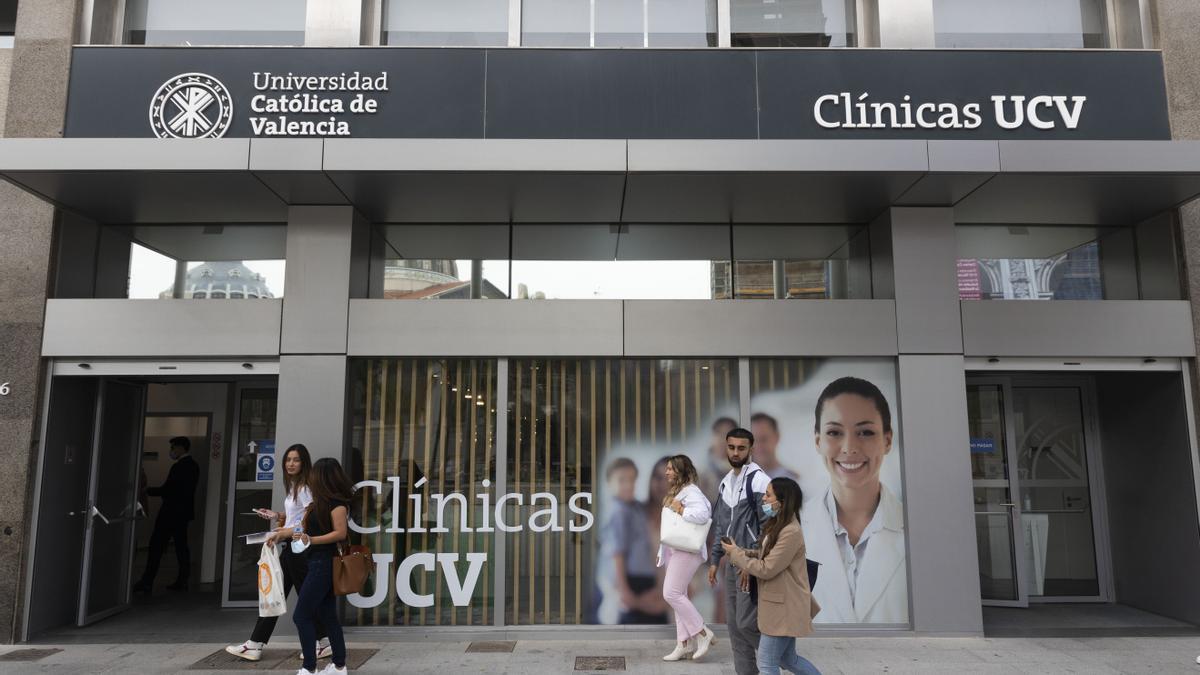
{"x":619,"y":23}
{"x":445,"y":23}
{"x":556,"y":23}
{"x":8,"y":22}
{"x":604,"y":429}
{"x":682,"y":23}
{"x":211,"y":262}
{"x":621,"y":262}
{"x":801,"y":261}
{"x":214,"y":22}
{"x":1069,"y":24}
{"x":1001,"y":262}
{"x":793,"y":23}
{"x":860,"y":397}
{"x":423,"y":455}
{"x":625,"y":262}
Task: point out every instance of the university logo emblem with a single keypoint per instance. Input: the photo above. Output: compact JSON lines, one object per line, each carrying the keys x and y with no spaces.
{"x":192,"y":105}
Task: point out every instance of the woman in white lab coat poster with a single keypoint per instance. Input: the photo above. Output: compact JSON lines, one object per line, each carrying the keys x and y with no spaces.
{"x":855,"y":529}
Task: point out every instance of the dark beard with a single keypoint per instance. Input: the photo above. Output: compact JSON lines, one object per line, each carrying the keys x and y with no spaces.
{"x":738,"y":465}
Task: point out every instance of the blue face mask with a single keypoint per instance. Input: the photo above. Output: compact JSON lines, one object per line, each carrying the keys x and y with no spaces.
{"x":769,"y":509}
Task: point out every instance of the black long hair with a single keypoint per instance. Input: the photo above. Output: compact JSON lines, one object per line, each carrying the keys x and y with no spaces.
{"x":330,"y":487}
{"x":788,"y":497}
{"x":858,"y":387}
{"x":292,"y":485}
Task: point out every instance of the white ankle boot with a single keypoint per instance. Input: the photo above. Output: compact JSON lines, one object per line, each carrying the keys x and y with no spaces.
{"x":704,"y":641}
{"x":680,"y":653}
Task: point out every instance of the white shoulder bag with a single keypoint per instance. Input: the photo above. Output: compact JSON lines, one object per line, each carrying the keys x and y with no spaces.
{"x":681,"y":535}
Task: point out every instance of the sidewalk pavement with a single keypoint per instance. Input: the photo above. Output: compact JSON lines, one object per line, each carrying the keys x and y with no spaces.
{"x":834,"y":656}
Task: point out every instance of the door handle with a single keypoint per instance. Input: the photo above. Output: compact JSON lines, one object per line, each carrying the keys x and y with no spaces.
{"x":95,"y":512}
{"x":1009,"y":505}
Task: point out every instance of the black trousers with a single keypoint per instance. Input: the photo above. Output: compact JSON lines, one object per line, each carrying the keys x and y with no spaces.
{"x":165,"y":530}
{"x":295,"y":569}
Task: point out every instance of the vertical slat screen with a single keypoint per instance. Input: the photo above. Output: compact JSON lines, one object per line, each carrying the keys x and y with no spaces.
{"x":431,"y":419}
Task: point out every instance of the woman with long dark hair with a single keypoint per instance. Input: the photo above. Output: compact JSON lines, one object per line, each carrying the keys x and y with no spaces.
{"x":856,"y":530}
{"x":296,"y":465}
{"x":325,"y":526}
{"x":685,"y":498}
{"x":785,"y":603}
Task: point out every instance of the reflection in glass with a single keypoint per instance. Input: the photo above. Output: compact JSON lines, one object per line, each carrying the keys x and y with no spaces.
{"x":792,"y":23}
{"x":445,"y":279}
{"x":425,"y":430}
{"x":256,"y":423}
{"x":214,"y":22}
{"x":1020,"y":24}
{"x":445,"y":23}
{"x":604,"y":427}
{"x":1055,"y":492}
{"x":200,"y":262}
{"x":1005,"y":262}
{"x":620,"y":279}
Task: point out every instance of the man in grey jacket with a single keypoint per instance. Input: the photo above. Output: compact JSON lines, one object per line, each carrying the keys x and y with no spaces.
{"x":737,"y":515}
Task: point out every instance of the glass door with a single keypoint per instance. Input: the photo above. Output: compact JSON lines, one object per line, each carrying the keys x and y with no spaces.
{"x":112,"y":505}
{"x":1050,"y":426}
{"x":249,"y":489}
{"x":997,"y":513}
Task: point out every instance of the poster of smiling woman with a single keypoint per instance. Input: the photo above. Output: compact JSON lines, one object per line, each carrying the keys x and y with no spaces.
{"x":832,"y":424}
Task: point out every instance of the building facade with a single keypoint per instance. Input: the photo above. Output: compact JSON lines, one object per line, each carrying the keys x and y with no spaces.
{"x":502,"y":257}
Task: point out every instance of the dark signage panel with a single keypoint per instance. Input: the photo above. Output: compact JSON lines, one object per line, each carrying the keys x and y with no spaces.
{"x":634,"y":93}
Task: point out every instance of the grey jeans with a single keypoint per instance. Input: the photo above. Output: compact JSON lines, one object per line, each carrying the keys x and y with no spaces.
{"x":741,"y":616}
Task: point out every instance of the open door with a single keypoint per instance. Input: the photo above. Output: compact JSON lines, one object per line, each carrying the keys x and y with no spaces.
{"x":112,"y":505}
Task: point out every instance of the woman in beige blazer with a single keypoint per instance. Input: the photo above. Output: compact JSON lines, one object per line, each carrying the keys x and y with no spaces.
{"x":785,"y":603}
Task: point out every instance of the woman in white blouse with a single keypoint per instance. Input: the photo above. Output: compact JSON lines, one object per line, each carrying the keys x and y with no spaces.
{"x":296,"y":466}
{"x":856,"y":530}
{"x":685,"y":498}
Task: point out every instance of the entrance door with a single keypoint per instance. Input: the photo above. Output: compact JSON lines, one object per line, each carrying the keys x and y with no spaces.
{"x":1055,"y":458}
{"x":1033,"y":460}
{"x":112,"y":505}
{"x":1000,"y":545}
{"x":249,"y":489}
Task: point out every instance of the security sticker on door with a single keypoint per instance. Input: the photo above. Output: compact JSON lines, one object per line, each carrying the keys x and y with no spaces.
{"x":266,"y":468}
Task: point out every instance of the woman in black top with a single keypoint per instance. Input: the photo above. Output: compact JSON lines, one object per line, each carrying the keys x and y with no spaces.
{"x":325,"y":525}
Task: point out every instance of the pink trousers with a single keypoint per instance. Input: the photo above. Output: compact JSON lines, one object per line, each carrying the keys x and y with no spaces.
{"x":681,"y":567}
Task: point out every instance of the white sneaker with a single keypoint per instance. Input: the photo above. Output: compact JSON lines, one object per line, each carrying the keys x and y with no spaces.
{"x":334,"y":670}
{"x":304,"y":671}
{"x":680,"y":652}
{"x":324,"y":651}
{"x":703,"y":642}
{"x":249,"y":650}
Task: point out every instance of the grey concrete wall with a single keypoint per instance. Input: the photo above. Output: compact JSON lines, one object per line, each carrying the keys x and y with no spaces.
{"x":924,"y":255}
{"x":1176,"y":24}
{"x":180,"y":328}
{"x":942,"y":564}
{"x":1151,"y":492}
{"x":6,"y":56}
{"x":1077,"y":328}
{"x":317,"y":279}
{"x":37,"y":86}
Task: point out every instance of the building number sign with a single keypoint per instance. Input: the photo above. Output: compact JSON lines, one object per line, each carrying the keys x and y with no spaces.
{"x":4,"y":389}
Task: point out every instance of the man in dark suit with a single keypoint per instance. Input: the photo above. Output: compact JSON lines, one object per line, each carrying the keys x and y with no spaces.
{"x":178,"y":509}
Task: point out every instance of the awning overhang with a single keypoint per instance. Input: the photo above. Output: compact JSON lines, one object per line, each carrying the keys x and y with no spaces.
{"x":151,"y":181}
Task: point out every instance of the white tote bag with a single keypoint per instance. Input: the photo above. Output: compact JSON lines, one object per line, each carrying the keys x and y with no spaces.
{"x":271,"y":601}
{"x":681,"y":535}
